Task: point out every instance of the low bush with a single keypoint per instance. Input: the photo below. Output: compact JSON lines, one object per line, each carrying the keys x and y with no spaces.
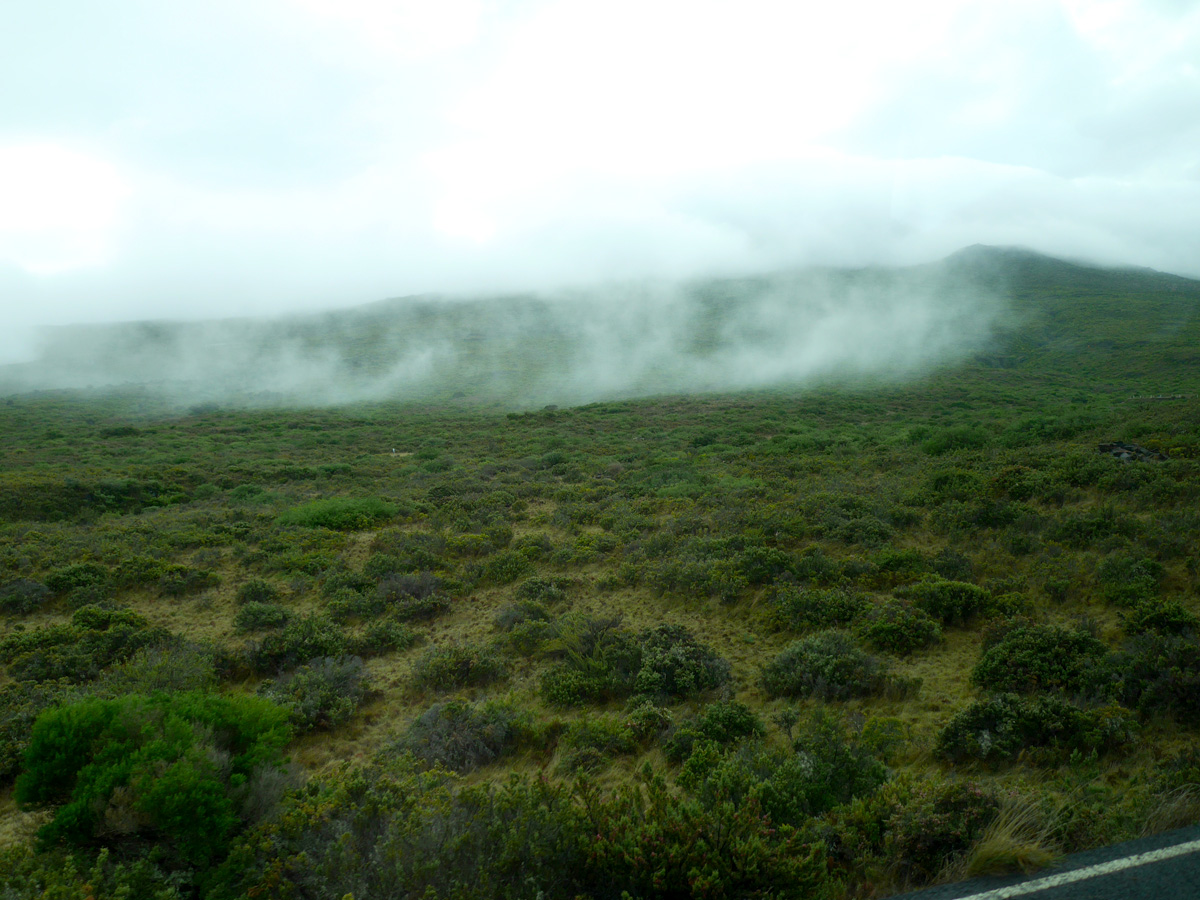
{"x":548,"y":591}
{"x":462,"y":736}
{"x":142,"y":767}
{"x":507,"y":567}
{"x":999,"y":728}
{"x":340,"y":514}
{"x":828,"y":665}
{"x":322,"y":694}
{"x":179,"y":581}
{"x":301,"y":640}
{"x":898,"y":627}
{"x":936,"y":824}
{"x":1161,"y":672}
{"x":22,"y":596}
{"x":721,"y":723}
{"x":26,"y":874}
{"x":675,"y":664}
{"x":521,"y":613}
{"x":1129,"y":580}
{"x":590,"y":743}
{"x":950,"y":602}
{"x":256,"y":616}
{"x":806,"y":608}
{"x":257,"y":591}
{"x":1160,"y":616}
{"x":1030,"y":658}
{"x":20,"y":705}
{"x":600,"y":661}
{"x":387,"y":635}
{"x":456,"y":666}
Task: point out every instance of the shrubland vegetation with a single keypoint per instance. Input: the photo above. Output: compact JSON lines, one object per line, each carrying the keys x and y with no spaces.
{"x":804,"y":643}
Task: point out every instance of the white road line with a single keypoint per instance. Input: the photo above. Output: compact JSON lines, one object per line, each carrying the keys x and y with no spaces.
{"x":1115,"y":865}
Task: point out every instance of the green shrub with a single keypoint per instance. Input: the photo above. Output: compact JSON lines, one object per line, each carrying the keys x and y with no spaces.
{"x":1162,"y":673}
{"x":521,"y":613}
{"x":1129,"y":580}
{"x":721,"y":723}
{"x":547,"y":591}
{"x":462,"y":736}
{"x":1030,"y":658}
{"x":936,"y":824}
{"x":302,"y":640}
{"x":1161,"y":616}
{"x":22,"y":596}
{"x":146,"y":766}
{"x":456,"y":666}
{"x":805,"y":608}
{"x":26,"y":875}
{"x":384,"y":636}
{"x":897,"y":627}
{"x":828,"y":665}
{"x":590,"y":743}
{"x":256,"y":616}
{"x":600,"y":661}
{"x":179,"y":581}
{"x":257,"y":591}
{"x":322,"y":694}
{"x":20,"y":705}
{"x":77,"y":575}
{"x":506,"y":567}
{"x":950,"y":602}
{"x":999,"y":728}
{"x":340,"y":514}
{"x":674,"y":663}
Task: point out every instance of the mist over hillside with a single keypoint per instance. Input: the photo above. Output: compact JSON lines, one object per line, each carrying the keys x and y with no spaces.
{"x":620,"y":340}
{"x":616,"y":341}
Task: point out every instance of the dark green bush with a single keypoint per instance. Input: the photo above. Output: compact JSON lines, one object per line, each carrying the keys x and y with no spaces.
{"x":144,"y":766}
{"x":999,"y":728}
{"x":340,"y":513}
{"x":898,"y":627}
{"x":256,"y":616}
{"x":600,"y":661}
{"x":1161,"y":672}
{"x":387,"y":635}
{"x":1161,"y":616}
{"x":456,"y":666}
{"x":936,"y":824}
{"x":721,"y":723}
{"x":520,"y":613}
{"x":322,"y":694}
{"x":26,"y":875}
{"x":257,"y":591}
{"x":506,"y":567}
{"x":590,"y":743}
{"x":302,"y":640}
{"x":22,"y":596}
{"x":463,"y":737}
{"x":179,"y":581}
{"x":1031,"y":658}
{"x":828,"y":665}
{"x":20,"y":705}
{"x":543,"y":590}
{"x":77,"y":575}
{"x":674,"y":663}
{"x":804,"y":608}
{"x":950,"y":602}
{"x":1129,"y":580}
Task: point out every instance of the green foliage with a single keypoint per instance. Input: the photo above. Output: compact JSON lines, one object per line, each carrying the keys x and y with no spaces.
{"x":1030,"y":658}
{"x":322,"y":694}
{"x":936,"y":824}
{"x":303,"y":639}
{"x":805,"y":608}
{"x":179,"y":581}
{"x":257,"y":591}
{"x":165,"y":769}
{"x":22,"y":596}
{"x":256,"y":616}
{"x":1161,"y":672}
{"x":675,"y":664}
{"x":1129,"y":580}
{"x":897,"y":627}
{"x":1001,"y":727}
{"x":1161,"y":616}
{"x":950,"y":602}
{"x":25,"y":875}
{"x":340,"y":513}
{"x":600,"y":661}
{"x":828,"y":665}
{"x":721,"y":723}
{"x":456,"y":666}
{"x":463,"y":737}
{"x":590,"y":743}
{"x":20,"y":705}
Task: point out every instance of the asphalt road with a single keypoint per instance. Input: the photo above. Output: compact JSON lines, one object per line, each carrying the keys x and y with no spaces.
{"x":1163,"y":867}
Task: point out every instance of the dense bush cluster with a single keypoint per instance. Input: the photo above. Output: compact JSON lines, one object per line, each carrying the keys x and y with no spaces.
{"x":829,"y":666}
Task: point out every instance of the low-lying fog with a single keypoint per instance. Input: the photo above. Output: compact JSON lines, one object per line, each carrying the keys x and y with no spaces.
{"x":625,"y":340}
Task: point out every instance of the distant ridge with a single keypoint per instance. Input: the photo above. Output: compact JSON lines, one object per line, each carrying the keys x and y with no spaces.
{"x":1007,"y":308}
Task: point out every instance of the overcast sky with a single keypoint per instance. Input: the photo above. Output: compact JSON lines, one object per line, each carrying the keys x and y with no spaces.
{"x":170,"y":159}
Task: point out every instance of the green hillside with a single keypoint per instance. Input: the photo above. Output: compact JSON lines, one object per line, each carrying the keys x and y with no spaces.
{"x":742,"y":624}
